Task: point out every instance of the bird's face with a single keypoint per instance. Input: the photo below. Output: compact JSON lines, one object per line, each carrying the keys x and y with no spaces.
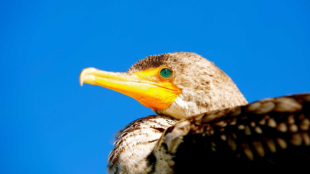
{"x":176,"y":84}
{"x":152,"y":87}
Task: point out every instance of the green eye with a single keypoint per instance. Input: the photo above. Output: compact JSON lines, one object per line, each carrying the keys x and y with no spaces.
{"x":165,"y":73}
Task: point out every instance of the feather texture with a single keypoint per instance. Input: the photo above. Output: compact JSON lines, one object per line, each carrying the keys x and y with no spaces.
{"x":264,"y":136}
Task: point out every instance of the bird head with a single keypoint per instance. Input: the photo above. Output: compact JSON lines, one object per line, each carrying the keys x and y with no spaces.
{"x":177,"y":84}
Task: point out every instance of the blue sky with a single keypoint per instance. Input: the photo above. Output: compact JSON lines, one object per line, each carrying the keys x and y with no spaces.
{"x":49,"y":124}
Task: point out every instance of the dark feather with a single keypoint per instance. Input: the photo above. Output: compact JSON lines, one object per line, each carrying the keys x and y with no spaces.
{"x":265,"y":136}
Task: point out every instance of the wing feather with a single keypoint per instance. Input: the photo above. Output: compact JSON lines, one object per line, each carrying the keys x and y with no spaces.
{"x":267,"y":135}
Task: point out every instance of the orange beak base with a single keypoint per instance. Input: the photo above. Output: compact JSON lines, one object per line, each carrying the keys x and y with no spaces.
{"x":145,"y":86}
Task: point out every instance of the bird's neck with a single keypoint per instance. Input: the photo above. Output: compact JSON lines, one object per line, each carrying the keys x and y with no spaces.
{"x":217,"y":92}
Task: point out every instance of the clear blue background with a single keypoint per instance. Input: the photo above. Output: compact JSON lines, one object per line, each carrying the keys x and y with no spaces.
{"x":49,"y":124}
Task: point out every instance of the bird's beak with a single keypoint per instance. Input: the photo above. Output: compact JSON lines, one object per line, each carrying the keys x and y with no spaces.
{"x":143,"y":86}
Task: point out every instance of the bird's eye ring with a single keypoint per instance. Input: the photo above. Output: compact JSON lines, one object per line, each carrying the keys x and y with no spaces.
{"x":165,"y":73}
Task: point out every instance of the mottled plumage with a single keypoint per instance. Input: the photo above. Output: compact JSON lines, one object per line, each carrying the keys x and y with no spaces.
{"x":135,"y":142}
{"x":218,"y":132}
